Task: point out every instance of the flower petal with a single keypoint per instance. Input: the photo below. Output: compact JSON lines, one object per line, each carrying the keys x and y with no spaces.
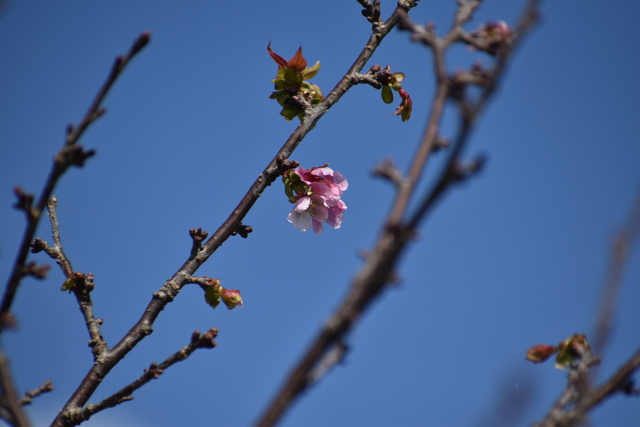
{"x":301,"y":220}
{"x":317,"y":227}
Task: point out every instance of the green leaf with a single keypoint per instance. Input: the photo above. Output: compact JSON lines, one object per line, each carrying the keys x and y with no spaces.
{"x":310,"y":72}
{"x":387,"y":95}
{"x":68,"y":284}
{"x":211,"y":297}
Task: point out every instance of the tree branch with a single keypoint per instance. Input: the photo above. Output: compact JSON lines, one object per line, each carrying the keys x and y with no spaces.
{"x":621,"y":248}
{"x":579,"y":398}
{"x":10,"y":406}
{"x":69,"y":155}
{"x":45,"y":387}
{"x":172,"y":287}
{"x":378,"y":270}
{"x":154,"y":371}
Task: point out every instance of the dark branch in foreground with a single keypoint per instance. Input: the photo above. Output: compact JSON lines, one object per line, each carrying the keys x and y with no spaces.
{"x":378,"y":270}
{"x":10,"y":405}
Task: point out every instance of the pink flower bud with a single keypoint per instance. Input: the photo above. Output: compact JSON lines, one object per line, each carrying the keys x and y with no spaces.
{"x":230,"y":297}
{"x":540,"y":353}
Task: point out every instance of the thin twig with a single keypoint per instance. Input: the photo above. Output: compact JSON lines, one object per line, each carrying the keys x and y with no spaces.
{"x":621,"y":248}
{"x":80,"y":284}
{"x":471,"y":109}
{"x":563,"y":415}
{"x":70,"y":154}
{"x":154,"y":371}
{"x":45,"y":387}
{"x":60,"y":257}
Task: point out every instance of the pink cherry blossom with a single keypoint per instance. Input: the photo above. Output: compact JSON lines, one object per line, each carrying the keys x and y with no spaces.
{"x":316,"y":201}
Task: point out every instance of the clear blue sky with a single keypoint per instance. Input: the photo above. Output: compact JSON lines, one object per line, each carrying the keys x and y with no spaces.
{"x":511,"y":259}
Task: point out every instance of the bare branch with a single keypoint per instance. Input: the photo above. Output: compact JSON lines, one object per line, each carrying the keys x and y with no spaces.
{"x":70,"y":154}
{"x":10,"y":407}
{"x":80,"y":284}
{"x":154,"y":371}
{"x":45,"y":387}
{"x":57,"y":252}
{"x":621,"y":247}
{"x":95,"y":111}
{"x":578,"y":399}
{"x":172,"y":287}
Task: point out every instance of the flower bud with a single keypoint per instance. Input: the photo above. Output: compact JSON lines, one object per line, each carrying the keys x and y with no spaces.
{"x":230,"y":297}
{"x":540,"y":353}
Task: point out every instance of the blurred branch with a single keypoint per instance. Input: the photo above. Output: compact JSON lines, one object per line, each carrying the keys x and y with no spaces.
{"x":154,"y":371}
{"x":10,"y":406}
{"x":378,"y":270}
{"x":621,"y":247}
{"x":45,"y":387}
{"x":573,"y":406}
{"x":571,"y":409}
{"x":515,"y":396}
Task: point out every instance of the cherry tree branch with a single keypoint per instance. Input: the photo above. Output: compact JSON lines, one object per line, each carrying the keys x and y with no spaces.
{"x":578,"y":398}
{"x":232,"y":226}
{"x":621,"y":248}
{"x":10,"y":404}
{"x":45,"y":387}
{"x":574,"y":404}
{"x":71,"y":154}
{"x":78,"y":283}
{"x":380,"y":263}
{"x":154,"y":371}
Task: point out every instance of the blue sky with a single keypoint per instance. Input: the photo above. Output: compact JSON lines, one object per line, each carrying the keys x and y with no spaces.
{"x":513,"y":258}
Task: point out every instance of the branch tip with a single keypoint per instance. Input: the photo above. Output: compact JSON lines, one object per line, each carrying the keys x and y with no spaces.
{"x":25,"y":200}
{"x":388,"y":170}
{"x":139,"y":43}
{"x":462,"y":171}
{"x":35,"y":270}
{"x":197,"y":236}
{"x":46,"y":387}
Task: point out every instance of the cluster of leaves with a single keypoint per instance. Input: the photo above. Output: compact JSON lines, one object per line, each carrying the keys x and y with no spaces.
{"x":293,"y":92}
{"x":390,"y":81}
